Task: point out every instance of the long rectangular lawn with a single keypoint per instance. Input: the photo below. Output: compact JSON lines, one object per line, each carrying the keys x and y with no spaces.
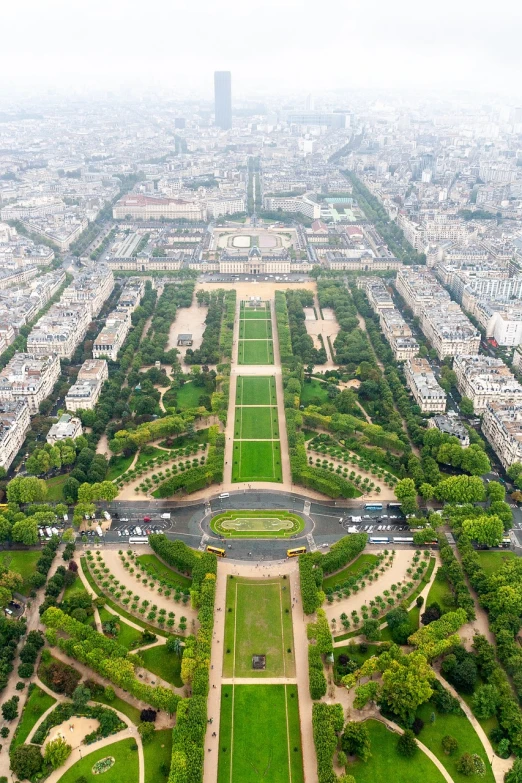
{"x":259,"y":624}
{"x":257,"y":461}
{"x":255,"y":330}
{"x":256,"y":423}
{"x":259,"y":737}
{"x":256,"y":352}
{"x":255,"y":390}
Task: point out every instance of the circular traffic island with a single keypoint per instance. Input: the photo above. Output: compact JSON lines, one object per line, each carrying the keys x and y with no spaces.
{"x":257,"y":524}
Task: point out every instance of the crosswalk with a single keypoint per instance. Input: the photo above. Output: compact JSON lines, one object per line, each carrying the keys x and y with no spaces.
{"x":203,"y":542}
{"x":311,"y":542}
{"x":306,"y":509}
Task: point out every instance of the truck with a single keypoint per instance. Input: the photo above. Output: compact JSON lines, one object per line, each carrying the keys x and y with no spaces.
{"x":165,"y":516}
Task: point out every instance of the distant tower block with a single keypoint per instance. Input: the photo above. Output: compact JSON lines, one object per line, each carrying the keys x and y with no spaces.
{"x":223,"y":99}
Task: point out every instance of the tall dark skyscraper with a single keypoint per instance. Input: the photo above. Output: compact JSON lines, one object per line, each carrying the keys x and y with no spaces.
{"x":223,"y":99}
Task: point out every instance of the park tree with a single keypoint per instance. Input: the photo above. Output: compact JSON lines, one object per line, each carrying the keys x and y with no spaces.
{"x":407,"y":744}
{"x":10,"y":708}
{"x":5,"y":529}
{"x":25,"y":531}
{"x":485,"y":530}
{"x":26,"y":490}
{"x":426,"y":491}
{"x":370,"y":629}
{"x":355,"y":740}
{"x":146,"y":731}
{"x":81,"y":696}
{"x":475,"y":461}
{"x":405,"y":488}
{"x":56,"y":752}
{"x":70,"y":489}
{"x":496,"y":491}
{"x":461,"y":489}
{"x":485,"y":701}
{"x":449,"y":745}
{"x":26,"y":761}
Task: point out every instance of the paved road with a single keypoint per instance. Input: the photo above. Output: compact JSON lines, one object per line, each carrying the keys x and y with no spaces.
{"x":325,"y":522}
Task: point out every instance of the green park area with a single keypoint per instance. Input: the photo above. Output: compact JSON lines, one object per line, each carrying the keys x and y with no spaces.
{"x":257,"y":461}
{"x":259,"y":736}
{"x":157,"y":753}
{"x":313,"y":392}
{"x":164,"y":664}
{"x":37,"y":703}
{"x":386,"y":764}
{"x":440,"y":592}
{"x":255,"y":390}
{"x":255,"y":330}
{"x":116,"y":629}
{"x":258,"y":622}
{"x":252,"y":423}
{"x":256,"y":352}
{"x":257,"y":524}
{"x":250,"y":312}
{"x":492,"y":561}
{"x":351,"y":570}
{"x":23,"y":562}
{"x":124,"y":769}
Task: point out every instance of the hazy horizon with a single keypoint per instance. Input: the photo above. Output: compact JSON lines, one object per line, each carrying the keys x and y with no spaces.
{"x":270,"y":48}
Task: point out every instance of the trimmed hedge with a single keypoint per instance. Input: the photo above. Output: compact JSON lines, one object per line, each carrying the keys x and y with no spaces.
{"x":455,"y":575}
{"x":343,"y":551}
{"x":316,"y":676}
{"x":203,"y":475}
{"x":327,"y":724}
{"x":310,"y":580}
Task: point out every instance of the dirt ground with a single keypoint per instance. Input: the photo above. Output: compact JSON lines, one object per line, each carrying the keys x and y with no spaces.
{"x":265,"y":290}
{"x":189,"y":320}
{"x":73,"y":731}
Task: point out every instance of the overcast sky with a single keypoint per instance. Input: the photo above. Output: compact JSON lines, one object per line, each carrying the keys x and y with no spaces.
{"x":269,"y":45}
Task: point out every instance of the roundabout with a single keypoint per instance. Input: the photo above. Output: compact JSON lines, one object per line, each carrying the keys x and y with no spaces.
{"x":257,"y":524}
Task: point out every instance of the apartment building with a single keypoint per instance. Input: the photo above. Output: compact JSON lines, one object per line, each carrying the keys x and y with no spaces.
{"x":429,"y":396}
{"x":60,"y":330}
{"x":359,"y":260}
{"x":140,"y":207}
{"x":112,"y":336}
{"x":14,"y":423}
{"x":419,"y":288}
{"x":225,"y":206}
{"x":300,"y":205}
{"x":148,"y":263}
{"x":86,"y":391}
{"x":30,"y":378}
{"x":501,"y":320}
{"x":377,"y":293}
{"x":399,"y":335}
{"x":449,"y":331}
{"x":17,"y":275}
{"x":131,"y":295}
{"x":502,"y":426}
{"x":449,"y":426}
{"x":484,"y":379}
{"x":91,"y":289}
{"x":66,"y":427}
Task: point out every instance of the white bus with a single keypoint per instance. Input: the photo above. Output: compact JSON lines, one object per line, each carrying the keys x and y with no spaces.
{"x":379,"y":540}
{"x":139,"y":540}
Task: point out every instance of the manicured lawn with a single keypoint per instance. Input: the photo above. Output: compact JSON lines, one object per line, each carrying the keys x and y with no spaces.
{"x":188,"y":396}
{"x":352,"y":650}
{"x":457,"y":726}
{"x":132,"y":713}
{"x":162,"y":571}
{"x":257,"y":524}
{"x":126,"y":635}
{"x":440,"y":592}
{"x":119,"y":465}
{"x":124,"y":769}
{"x":255,"y":390}
{"x":255,"y":330}
{"x":259,"y":623}
{"x":164,"y":664}
{"x":76,"y":588}
{"x":313,"y":390}
{"x":255,"y":315}
{"x":351,"y":570}
{"x":55,"y":486}
{"x":156,"y":753}
{"x":492,"y":561}
{"x":256,"y":423}
{"x":200,"y":436}
{"x":257,"y":461}
{"x":23,"y":563}
{"x":37,"y":703}
{"x":259,"y":737}
{"x":385,"y":764}
{"x":256,"y":352}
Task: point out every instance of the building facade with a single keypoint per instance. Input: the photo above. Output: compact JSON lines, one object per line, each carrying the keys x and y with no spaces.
{"x":30,"y":378}
{"x":429,"y":396}
{"x":14,"y":423}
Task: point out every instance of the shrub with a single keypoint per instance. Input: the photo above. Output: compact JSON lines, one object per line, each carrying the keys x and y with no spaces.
{"x":449,"y":745}
{"x":407,"y":744}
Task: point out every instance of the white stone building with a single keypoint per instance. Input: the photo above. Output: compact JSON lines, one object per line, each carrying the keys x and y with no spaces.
{"x":66,"y":427}
{"x":484,"y":379}
{"x":60,"y":331}
{"x":30,"y":378}
{"x":502,"y":426}
{"x":84,"y":394}
{"x":14,"y":423}
{"x":112,"y":336}
{"x":429,"y":396}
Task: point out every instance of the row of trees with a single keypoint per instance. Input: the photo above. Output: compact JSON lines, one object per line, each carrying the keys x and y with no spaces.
{"x":314,"y":565}
{"x":302,"y":344}
{"x":210,"y":352}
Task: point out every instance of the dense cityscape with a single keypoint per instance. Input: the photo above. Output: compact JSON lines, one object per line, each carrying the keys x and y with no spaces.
{"x":261,"y":436}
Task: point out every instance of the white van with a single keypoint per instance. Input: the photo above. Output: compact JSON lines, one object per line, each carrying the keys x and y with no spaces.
{"x":165,"y":516}
{"x":107,"y":516}
{"x":224,"y":495}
